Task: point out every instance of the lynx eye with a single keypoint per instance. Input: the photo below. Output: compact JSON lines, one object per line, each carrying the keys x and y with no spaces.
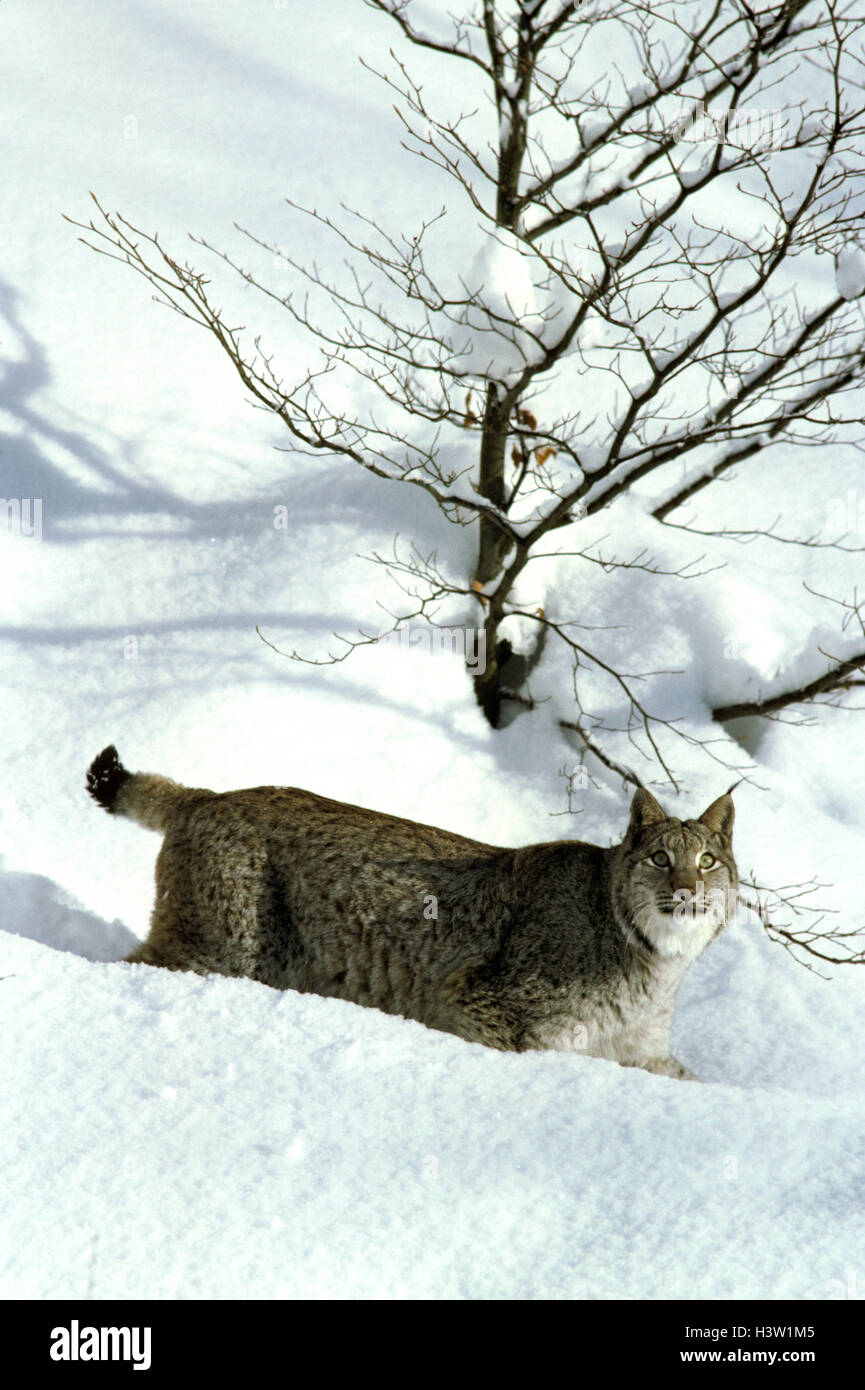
{"x":707,"y":861}
{"x":660,"y":859}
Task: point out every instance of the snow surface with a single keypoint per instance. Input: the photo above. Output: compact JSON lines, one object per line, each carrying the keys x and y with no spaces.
{"x":850,"y":272}
{"x":168,"y":1136}
{"x":500,"y":280}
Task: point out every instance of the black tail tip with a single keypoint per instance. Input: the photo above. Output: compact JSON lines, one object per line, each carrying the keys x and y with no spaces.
{"x":106,"y":776}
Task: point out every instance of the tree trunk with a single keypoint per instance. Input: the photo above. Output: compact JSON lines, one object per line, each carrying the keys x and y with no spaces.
{"x":491,"y":484}
{"x":493,"y":544}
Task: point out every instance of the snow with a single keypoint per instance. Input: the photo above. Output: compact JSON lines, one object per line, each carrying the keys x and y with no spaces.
{"x":500,"y":281}
{"x":214,"y":1138}
{"x":593,"y":457}
{"x":174,"y":1137}
{"x":591,"y":127}
{"x":521,"y":632}
{"x":850,"y":272}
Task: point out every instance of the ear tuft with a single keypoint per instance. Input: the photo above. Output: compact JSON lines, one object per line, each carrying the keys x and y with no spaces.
{"x":719,"y":817}
{"x":645,"y":810}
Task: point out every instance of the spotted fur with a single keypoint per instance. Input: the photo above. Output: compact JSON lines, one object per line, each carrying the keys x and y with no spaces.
{"x":563,"y":945}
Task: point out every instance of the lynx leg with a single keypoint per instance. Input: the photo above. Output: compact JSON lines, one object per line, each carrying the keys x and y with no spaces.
{"x":667,"y":1066}
{"x":146,"y":954}
{"x":204,"y":915}
{"x":172,"y":942}
{"x":220,"y":907}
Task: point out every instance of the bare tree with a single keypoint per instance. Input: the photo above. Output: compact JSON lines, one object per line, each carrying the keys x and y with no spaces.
{"x":790,"y":919}
{"x":611,"y":322}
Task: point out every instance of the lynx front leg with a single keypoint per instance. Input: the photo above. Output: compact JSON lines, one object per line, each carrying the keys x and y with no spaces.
{"x":667,"y":1066}
{"x":148,"y":954}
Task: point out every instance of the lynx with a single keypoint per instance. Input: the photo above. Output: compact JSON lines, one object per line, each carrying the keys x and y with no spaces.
{"x":564,"y":945}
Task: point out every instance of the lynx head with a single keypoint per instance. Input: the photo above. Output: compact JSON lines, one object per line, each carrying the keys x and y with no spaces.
{"x":674,"y":883}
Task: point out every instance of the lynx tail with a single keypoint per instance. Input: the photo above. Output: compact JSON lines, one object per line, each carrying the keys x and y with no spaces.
{"x":150,"y":800}
{"x":105,"y":777}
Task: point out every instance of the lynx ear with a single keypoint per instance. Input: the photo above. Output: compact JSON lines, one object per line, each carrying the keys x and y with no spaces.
{"x":719,"y":817}
{"x":645,"y":810}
